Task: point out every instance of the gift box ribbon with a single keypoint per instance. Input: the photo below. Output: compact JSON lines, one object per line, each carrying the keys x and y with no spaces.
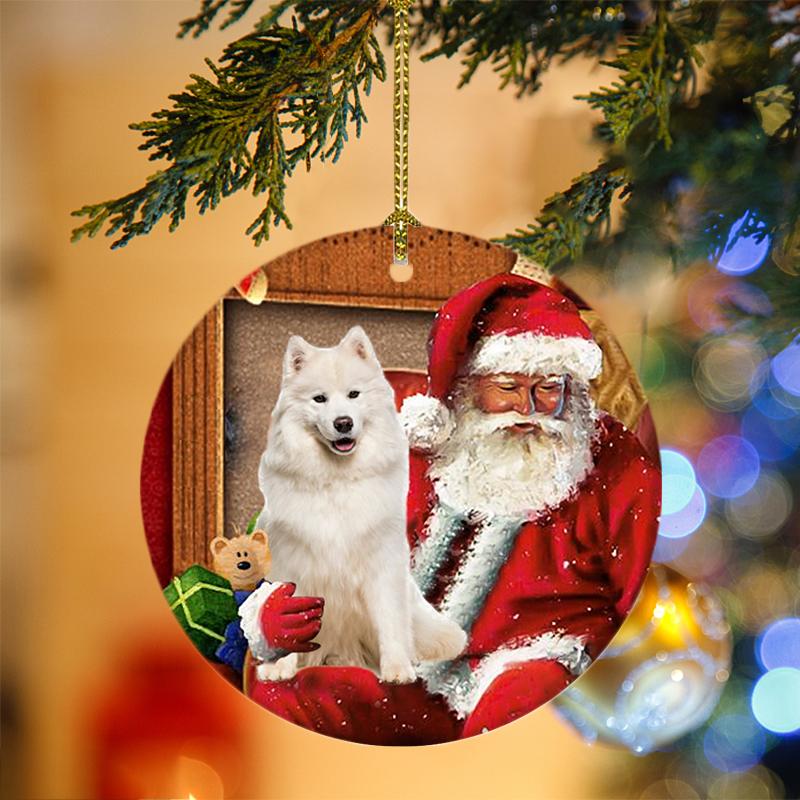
{"x":182,"y":598}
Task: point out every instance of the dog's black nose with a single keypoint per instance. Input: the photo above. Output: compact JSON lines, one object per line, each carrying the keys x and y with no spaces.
{"x":243,"y":565}
{"x":343,"y":424}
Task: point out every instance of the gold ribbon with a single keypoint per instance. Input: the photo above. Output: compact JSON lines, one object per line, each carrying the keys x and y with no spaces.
{"x":401,"y":217}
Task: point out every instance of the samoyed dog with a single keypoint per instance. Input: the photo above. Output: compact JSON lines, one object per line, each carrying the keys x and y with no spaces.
{"x":334,"y":477}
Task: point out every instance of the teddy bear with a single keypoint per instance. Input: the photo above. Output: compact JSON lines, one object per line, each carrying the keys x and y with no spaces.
{"x":244,"y":559}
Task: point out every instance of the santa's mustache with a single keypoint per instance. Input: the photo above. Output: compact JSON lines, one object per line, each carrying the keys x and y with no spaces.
{"x":552,"y":426}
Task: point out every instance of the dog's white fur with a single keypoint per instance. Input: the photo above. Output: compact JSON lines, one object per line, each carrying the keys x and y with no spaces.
{"x":337,"y":520}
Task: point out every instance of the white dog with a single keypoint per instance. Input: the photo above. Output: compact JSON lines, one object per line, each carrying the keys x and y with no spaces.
{"x":334,"y":477}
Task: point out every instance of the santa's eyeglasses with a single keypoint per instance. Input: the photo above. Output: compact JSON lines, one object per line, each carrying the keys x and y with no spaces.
{"x":544,"y":394}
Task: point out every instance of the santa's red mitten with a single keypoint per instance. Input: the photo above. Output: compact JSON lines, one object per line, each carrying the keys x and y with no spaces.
{"x":276,"y":623}
{"x":516,"y":692}
{"x":290,"y":623}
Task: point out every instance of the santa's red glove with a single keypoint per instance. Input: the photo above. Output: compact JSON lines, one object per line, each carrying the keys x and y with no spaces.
{"x":290,"y":623}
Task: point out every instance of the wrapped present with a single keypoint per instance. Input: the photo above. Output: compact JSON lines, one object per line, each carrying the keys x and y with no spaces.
{"x":204,"y":605}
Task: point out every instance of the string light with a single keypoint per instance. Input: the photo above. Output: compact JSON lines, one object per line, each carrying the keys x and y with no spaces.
{"x":743,"y":254}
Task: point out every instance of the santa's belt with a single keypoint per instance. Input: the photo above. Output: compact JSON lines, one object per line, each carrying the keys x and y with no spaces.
{"x":463,"y":685}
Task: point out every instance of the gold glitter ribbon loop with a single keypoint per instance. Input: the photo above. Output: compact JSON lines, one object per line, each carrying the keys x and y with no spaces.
{"x":401,"y":217}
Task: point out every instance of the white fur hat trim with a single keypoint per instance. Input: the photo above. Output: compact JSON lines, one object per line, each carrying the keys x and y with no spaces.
{"x":536,"y":354}
{"x":427,"y":422}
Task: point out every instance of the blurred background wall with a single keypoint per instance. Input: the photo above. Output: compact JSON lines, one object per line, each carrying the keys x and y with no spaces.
{"x":87,"y":337}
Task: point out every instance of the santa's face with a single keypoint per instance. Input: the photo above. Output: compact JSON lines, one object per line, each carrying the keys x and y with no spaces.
{"x":520,"y":444}
{"x":523,"y":394}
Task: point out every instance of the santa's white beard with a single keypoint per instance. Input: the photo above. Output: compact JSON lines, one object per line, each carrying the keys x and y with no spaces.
{"x":485,"y":467}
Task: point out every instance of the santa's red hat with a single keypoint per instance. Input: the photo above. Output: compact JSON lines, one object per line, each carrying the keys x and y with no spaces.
{"x":504,"y":324}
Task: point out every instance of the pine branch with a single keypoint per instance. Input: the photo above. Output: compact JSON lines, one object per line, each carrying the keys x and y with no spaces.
{"x":236,"y":10}
{"x":657,"y":68}
{"x":570,"y":219}
{"x":518,"y":39}
{"x":230,"y":132}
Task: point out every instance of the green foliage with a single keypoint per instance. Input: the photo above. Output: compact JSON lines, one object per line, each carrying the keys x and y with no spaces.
{"x":209,"y":10}
{"x":570,"y":219}
{"x":657,"y":67}
{"x":518,"y":39}
{"x":687,"y":164}
{"x":280,"y":96}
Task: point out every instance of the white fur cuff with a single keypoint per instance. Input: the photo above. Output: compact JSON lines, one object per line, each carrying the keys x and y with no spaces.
{"x":570,"y":651}
{"x":427,"y":422}
{"x":249,"y":613}
{"x":537,"y":354}
{"x":463,"y":687}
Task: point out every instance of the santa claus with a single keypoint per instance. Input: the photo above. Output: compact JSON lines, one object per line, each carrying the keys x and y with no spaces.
{"x":531,"y":516}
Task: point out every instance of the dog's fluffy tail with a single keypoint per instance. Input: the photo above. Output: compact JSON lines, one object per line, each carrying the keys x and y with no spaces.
{"x":436,"y":638}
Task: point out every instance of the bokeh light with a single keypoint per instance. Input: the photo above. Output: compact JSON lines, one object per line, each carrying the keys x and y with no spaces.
{"x":669,"y":789}
{"x":768,"y":435}
{"x":712,"y":295}
{"x":734,"y":742}
{"x":765,"y":593}
{"x":687,"y":520}
{"x":695,"y":424}
{"x":786,"y":368}
{"x":728,"y":466}
{"x":706,"y":552}
{"x":669,"y":550}
{"x":755,"y":784}
{"x":776,"y":700}
{"x":678,"y":481}
{"x":725,"y":370}
{"x":779,"y":644}
{"x":770,"y":405}
{"x":742,"y":254}
{"x":763,"y":510}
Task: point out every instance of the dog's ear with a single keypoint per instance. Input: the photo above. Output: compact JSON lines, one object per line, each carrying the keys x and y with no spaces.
{"x":297,"y":353}
{"x":357,"y":340}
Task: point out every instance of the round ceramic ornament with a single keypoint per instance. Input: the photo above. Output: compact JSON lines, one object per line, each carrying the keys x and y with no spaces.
{"x":401,"y":512}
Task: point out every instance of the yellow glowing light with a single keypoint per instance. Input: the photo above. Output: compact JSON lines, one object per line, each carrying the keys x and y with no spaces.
{"x":673,"y":653}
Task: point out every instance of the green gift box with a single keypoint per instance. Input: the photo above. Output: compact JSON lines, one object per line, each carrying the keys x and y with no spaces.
{"x":204,"y":604}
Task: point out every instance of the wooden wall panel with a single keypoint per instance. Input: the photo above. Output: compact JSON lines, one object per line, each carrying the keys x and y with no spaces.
{"x":197,"y":445}
{"x":352,"y":269}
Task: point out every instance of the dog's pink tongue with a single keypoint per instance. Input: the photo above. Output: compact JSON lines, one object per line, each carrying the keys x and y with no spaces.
{"x":344,"y":445}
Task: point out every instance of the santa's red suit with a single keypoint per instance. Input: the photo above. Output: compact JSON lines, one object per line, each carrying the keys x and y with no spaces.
{"x":540,"y":594}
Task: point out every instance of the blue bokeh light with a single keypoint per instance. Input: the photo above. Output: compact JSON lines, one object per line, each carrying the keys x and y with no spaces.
{"x":687,"y":520}
{"x":776,"y":700}
{"x":778,"y":645}
{"x":786,"y":367}
{"x":667,"y":550}
{"x":734,"y":743}
{"x":744,"y":254}
{"x":728,"y":466}
{"x":766,"y":435}
{"x":678,"y":481}
{"x":771,"y":406}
